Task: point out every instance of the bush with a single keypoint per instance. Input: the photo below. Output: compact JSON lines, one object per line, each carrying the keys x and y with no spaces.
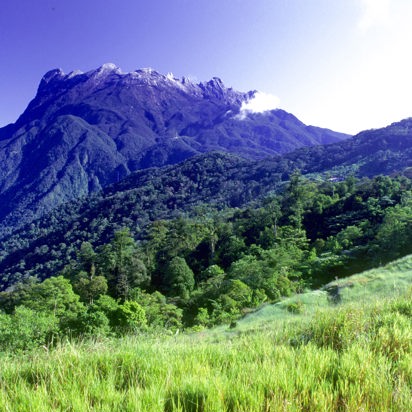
{"x":295,"y":307}
{"x":130,"y":316}
{"x":26,"y":330}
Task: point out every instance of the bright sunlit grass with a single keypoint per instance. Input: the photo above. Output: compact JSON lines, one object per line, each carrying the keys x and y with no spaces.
{"x":355,"y":356}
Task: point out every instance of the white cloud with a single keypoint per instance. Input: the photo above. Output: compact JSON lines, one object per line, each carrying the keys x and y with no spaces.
{"x":259,"y":103}
{"x":374,"y":13}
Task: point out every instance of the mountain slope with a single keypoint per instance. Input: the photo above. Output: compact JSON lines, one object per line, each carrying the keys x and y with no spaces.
{"x":215,"y":179}
{"x":84,"y":131}
{"x":365,"y":288}
{"x":369,"y":153}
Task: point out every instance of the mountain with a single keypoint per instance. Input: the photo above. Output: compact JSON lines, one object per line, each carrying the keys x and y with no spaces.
{"x":84,"y":131}
{"x":216,"y":179}
{"x":372,"y":152}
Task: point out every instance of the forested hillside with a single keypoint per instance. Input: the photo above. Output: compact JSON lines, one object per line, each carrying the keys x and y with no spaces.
{"x":212,"y":180}
{"x":211,"y":266}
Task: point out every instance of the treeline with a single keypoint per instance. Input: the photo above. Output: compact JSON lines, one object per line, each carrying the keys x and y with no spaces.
{"x":212,"y":267}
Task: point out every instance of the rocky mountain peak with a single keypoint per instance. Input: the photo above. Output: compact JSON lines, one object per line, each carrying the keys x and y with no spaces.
{"x":52,"y":75}
{"x":56,"y":82}
{"x":84,"y":131}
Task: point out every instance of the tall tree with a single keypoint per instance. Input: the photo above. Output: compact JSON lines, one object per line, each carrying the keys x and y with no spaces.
{"x":120,"y":264}
{"x":180,"y":278}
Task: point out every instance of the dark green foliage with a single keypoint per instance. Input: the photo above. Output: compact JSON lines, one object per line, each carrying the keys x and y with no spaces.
{"x":38,"y":313}
{"x":230,"y":249}
{"x":108,"y":307}
{"x":55,"y":296}
{"x":89,"y":288}
{"x":220,"y":181}
{"x":120,"y":264}
{"x":91,"y":322}
{"x":395,"y":234}
{"x":160,"y":314}
{"x":213,"y":266}
{"x":179,"y":278}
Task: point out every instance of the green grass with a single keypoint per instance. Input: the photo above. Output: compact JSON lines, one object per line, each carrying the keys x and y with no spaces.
{"x":390,"y":281}
{"x":354,"y":356}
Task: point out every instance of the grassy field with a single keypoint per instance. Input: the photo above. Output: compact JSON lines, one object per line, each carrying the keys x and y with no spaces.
{"x":367,"y":288}
{"x":307,"y":353}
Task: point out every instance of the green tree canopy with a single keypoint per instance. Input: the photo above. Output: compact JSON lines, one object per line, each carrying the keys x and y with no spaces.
{"x":180,"y":277}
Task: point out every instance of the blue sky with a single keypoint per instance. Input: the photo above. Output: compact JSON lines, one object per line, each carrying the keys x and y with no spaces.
{"x":342,"y":64}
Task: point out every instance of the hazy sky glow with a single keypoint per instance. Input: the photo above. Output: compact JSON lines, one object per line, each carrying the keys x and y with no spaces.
{"x":342,"y":64}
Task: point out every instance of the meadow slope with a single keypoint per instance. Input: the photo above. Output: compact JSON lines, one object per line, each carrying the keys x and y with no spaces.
{"x":308,"y":353}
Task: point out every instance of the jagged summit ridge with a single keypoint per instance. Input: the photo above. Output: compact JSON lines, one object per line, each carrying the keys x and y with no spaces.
{"x":140,"y":84}
{"x":146,"y":75}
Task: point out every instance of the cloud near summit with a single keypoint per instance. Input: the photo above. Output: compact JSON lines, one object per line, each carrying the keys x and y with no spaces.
{"x":259,"y":103}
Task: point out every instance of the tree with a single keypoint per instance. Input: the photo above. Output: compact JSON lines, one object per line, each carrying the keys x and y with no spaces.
{"x":108,"y":306}
{"x":202,"y":318}
{"x":298,"y":197}
{"x":156,"y":238}
{"x":348,"y":236}
{"x":26,"y":329}
{"x":89,"y":287}
{"x":269,"y":270}
{"x":11,"y":299}
{"x":240,"y":293}
{"x":130,"y":316}
{"x":230,"y":250}
{"x":53,"y":296}
{"x":120,"y":264}
{"x":92,"y":322}
{"x":159,"y":313}
{"x":87,"y":258}
{"x":395,"y":234}
{"x":179,"y":278}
